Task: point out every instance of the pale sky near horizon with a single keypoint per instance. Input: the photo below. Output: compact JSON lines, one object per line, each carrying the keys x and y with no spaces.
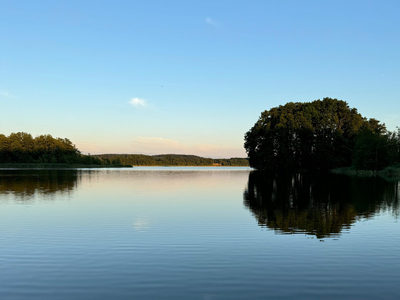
{"x":189,"y":77}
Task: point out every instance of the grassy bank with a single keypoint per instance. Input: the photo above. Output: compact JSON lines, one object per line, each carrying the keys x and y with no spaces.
{"x":391,"y":172}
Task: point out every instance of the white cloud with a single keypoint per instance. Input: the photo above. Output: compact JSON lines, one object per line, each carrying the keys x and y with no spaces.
{"x":6,"y":94}
{"x":210,"y":21}
{"x":137,"y":102}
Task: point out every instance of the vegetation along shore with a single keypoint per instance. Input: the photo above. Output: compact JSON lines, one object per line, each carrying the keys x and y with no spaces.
{"x":21,"y":150}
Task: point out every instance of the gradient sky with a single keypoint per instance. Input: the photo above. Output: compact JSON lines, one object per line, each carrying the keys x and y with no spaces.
{"x":189,"y":77}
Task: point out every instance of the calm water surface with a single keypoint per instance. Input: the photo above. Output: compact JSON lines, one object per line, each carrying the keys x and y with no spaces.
{"x":196,"y":233}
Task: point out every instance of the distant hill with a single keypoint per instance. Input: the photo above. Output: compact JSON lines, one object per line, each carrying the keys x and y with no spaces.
{"x":169,"y":160}
{"x":45,"y":151}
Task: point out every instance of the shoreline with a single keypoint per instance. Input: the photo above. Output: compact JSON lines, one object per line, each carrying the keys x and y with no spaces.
{"x":56,"y":166}
{"x":67,"y":166}
{"x":391,"y":172}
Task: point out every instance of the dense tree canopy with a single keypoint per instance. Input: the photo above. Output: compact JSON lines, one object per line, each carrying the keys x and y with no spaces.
{"x":234,"y":161}
{"x":170,"y":160}
{"x":21,"y":147}
{"x":318,"y":135}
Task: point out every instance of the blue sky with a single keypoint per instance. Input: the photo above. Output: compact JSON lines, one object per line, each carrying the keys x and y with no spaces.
{"x":189,"y":77}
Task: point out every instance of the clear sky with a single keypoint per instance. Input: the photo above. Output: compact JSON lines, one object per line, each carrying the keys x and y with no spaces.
{"x":190,"y":77}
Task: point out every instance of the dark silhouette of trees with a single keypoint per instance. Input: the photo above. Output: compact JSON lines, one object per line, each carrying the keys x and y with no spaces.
{"x":374,"y":151}
{"x":169,"y":160}
{"x":314,"y":136}
{"x":21,"y":147}
{"x":234,"y":161}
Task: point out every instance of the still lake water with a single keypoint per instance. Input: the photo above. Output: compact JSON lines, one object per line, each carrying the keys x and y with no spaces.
{"x":196,"y":233}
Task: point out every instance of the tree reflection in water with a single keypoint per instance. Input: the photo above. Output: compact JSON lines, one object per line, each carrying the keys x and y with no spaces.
{"x":320,"y":204}
{"x":25,"y":184}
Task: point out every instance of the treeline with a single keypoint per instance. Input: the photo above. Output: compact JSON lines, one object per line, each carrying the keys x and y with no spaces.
{"x":320,"y":135}
{"x":168,"y":160}
{"x":234,"y":161}
{"x":21,"y":147}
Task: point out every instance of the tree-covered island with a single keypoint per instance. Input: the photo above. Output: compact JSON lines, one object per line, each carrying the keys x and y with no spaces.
{"x":22,"y":150}
{"x":318,"y":136}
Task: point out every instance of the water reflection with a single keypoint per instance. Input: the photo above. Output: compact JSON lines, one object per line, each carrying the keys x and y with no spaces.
{"x":26,"y":184}
{"x":161,"y":182}
{"x":320,"y":205}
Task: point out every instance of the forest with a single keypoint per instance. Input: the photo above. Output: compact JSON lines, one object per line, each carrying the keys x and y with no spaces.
{"x":169,"y":160}
{"x":22,"y":148}
{"x":320,"y":135}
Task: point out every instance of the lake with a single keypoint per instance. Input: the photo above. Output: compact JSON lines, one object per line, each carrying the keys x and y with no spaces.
{"x":196,"y":233}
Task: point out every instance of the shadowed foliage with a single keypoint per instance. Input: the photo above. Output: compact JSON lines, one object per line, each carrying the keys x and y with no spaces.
{"x":319,"y":135}
{"x":21,"y":147}
{"x":169,"y":160}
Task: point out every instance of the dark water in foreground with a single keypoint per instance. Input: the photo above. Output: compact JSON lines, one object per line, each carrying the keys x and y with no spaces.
{"x":196,"y":233}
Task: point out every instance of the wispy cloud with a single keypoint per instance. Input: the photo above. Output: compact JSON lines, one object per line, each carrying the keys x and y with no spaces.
{"x":391,"y":121}
{"x":7,"y":95}
{"x":137,"y":102}
{"x":211,"y":22}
